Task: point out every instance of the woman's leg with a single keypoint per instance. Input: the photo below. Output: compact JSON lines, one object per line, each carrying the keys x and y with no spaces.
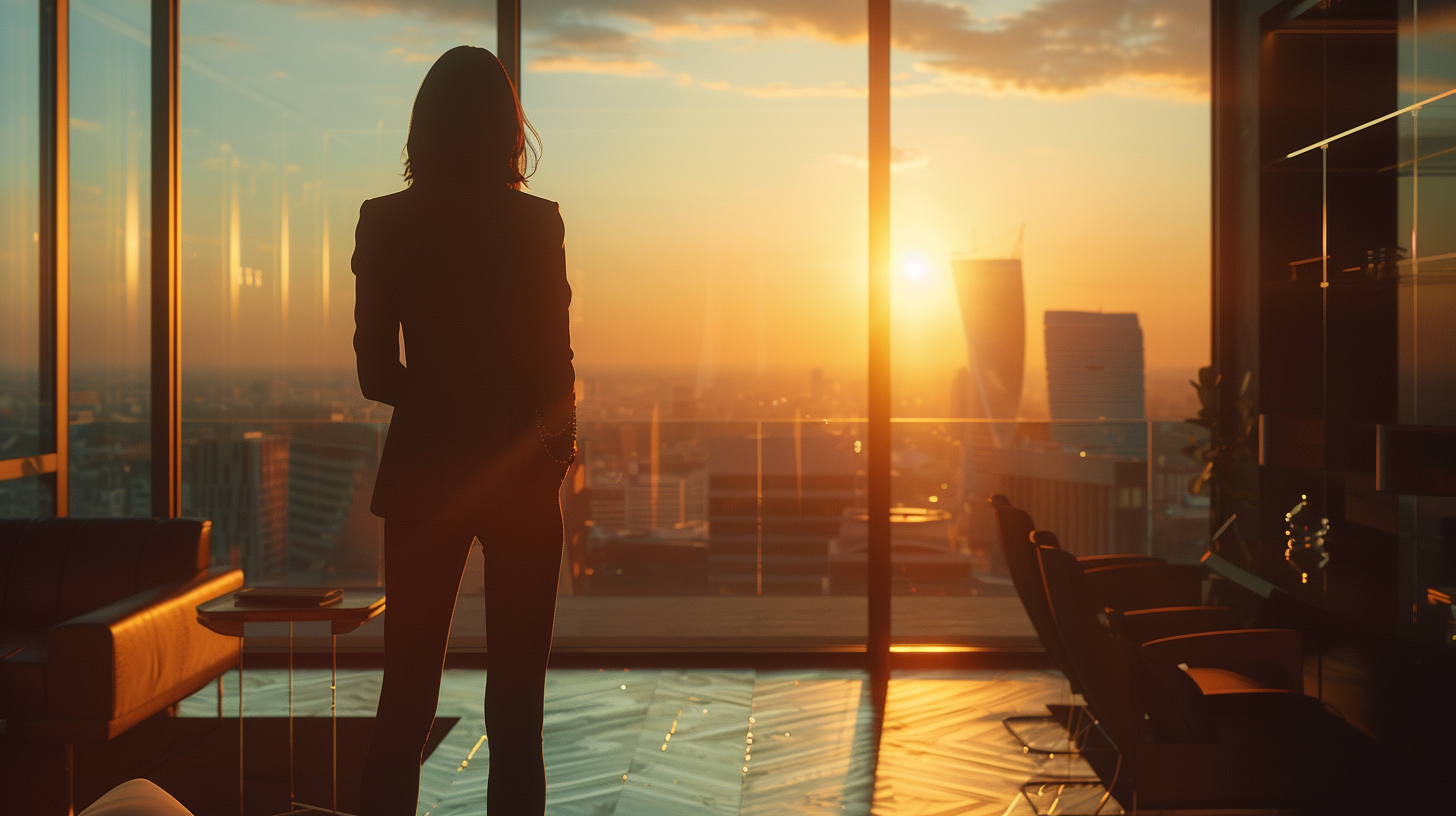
{"x":423,"y":562}
{"x":522,"y":541}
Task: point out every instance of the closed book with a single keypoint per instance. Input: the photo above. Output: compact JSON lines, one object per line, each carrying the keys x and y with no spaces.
{"x":301,"y":597}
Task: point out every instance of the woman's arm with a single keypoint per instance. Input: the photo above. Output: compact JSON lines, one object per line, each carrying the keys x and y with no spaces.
{"x":551,"y":372}
{"x":376,"y":316}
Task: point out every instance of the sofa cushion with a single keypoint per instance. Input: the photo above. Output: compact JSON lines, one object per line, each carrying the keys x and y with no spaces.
{"x":55,"y":569}
{"x":176,"y":550}
{"x":22,"y":677}
{"x":102,"y":560}
{"x":10,"y":532}
{"x":33,"y":582}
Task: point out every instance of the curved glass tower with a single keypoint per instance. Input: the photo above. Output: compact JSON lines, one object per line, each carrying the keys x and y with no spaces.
{"x":993,"y":309}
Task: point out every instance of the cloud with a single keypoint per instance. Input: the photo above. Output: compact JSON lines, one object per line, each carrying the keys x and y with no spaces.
{"x":1157,"y":47}
{"x":782,"y":90}
{"x":588,"y":65}
{"x":230,"y":43}
{"x":901,"y":158}
{"x":1055,"y":48}
{"x":407,"y":56}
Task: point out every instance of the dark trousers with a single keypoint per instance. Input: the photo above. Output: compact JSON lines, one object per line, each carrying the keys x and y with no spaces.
{"x":521,"y":534}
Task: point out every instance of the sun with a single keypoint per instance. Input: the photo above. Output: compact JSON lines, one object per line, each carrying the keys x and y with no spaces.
{"x":915,"y":267}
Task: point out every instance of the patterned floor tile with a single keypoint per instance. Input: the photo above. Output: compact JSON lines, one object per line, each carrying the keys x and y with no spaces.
{"x":662,"y":743}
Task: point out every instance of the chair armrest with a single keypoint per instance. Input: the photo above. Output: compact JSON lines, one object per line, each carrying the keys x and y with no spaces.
{"x":1155,"y":585}
{"x":1237,"y":651}
{"x":110,"y":661}
{"x":1143,"y":625}
{"x":1115,"y":560}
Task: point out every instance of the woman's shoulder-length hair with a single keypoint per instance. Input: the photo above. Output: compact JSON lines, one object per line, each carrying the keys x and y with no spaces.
{"x":467,"y":125}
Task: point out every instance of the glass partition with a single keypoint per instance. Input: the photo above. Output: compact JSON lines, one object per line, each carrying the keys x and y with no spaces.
{"x":110,"y":86}
{"x":1427,"y":283}
{"x":1050,"y":297}
{"x":1357,"y":240}
{"x":21,"y":404}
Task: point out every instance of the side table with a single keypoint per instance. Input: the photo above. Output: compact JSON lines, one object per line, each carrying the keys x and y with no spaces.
{"x":226,"y":616}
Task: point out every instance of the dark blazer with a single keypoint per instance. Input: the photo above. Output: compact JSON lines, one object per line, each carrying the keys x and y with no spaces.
{"x":477,"y":280}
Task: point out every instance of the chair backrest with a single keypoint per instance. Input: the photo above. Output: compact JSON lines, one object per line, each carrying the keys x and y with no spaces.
{"x":1017,"y":529}
{"x":52,"y":570}
{"x":1103,"y":663}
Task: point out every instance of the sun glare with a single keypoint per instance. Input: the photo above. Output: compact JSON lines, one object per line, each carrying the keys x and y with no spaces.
{"x":915,"y":267}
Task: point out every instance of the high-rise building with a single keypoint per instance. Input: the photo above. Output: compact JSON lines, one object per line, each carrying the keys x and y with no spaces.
{"x":331,"y":474}
{"x":1094,"y":365}
{"x":240,"y":482}
{"x":993,"y":309}
{"x":774,"y":504}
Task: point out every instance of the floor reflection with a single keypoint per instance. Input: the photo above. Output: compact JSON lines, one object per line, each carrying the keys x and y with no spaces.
{"x":723,"y":742}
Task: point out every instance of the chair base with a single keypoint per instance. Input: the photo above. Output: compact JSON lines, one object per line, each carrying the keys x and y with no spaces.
{"x":1070,"y":797}
{"x":1035,"y":732}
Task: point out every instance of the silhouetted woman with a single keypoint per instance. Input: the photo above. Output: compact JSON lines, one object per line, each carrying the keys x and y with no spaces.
{"x":484,"y":424}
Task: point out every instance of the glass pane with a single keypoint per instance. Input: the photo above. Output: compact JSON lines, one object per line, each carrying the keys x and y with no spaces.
{"x":1051,"y":298}
{"x":20,"y":403}
{"x":1427,"y":282}
{"x":1427,"y":199}
{"x":712,"y":179}
{"x":110,"y":257}
{"x":28,"y":497}
{"x":291,"y":116}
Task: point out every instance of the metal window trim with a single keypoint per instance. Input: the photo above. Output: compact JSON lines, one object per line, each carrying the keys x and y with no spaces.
{"x":55,"y":237}
{"x":28,"y":466}
{"x":166,"y":366}
{"x":879,"y":431}
{"x":508,"y":39}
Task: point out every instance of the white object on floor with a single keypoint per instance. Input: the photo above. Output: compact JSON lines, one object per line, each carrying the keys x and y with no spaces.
{"x":139,"y":797}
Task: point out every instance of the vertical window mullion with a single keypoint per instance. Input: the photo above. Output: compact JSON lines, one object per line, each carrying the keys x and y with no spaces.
{"x":54,"y":237}
{"x":166,"y":367}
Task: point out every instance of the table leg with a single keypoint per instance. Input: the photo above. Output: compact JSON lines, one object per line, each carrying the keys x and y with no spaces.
{"x":290,"y":716}
{"x":240,"y":726}
{"x":334,"y":712}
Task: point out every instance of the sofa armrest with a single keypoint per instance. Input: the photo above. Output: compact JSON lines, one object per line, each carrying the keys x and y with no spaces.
{"x":1236,"y":650}
{"x":1143,"y":625}
{"x":114,"y":660}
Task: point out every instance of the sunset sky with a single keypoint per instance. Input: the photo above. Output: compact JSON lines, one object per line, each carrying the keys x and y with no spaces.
{"x":709,"y":161}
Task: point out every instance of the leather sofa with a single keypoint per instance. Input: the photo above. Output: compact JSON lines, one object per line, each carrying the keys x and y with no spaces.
{"x":98,"y":623}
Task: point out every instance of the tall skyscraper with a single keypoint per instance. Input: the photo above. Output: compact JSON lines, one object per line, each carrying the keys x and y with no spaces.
{"x":993,"y":309}
{"x":1094,"y":367}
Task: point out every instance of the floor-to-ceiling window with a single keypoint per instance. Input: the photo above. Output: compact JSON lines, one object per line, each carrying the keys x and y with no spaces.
{"x":1051,"y":258}
{"x":711,"y":164}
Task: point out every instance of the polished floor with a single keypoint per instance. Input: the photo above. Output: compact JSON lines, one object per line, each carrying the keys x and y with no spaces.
{"x":701,"y":742}
{"x":597,"y":622}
